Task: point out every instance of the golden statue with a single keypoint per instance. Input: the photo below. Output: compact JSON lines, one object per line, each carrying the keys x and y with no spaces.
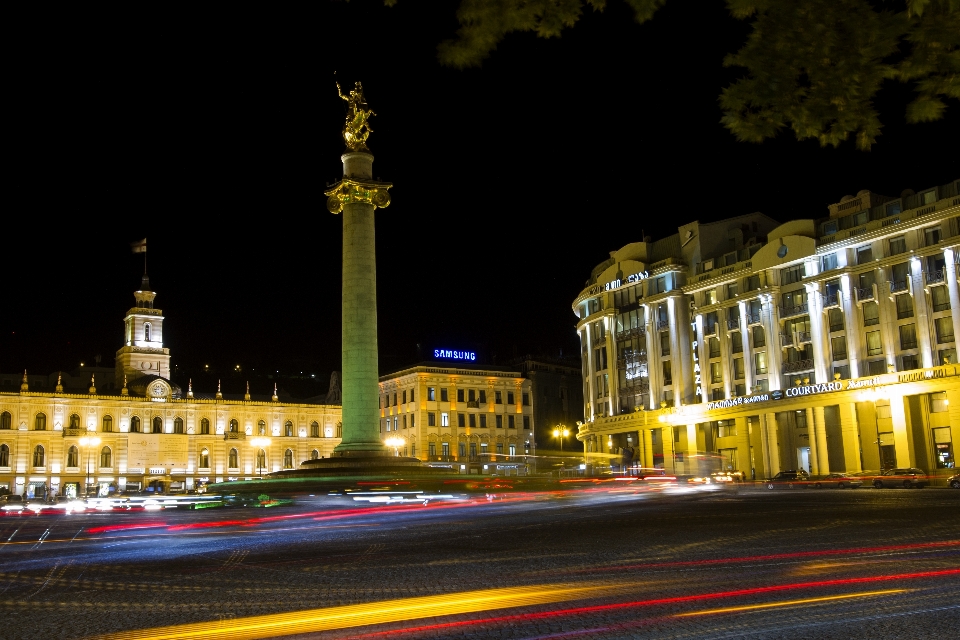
{"x":357,"y":128}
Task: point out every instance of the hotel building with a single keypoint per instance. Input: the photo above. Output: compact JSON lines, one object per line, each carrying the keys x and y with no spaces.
{"x":826,"y":344}
{"x":141,"y":431}
{"x":472,"y":419}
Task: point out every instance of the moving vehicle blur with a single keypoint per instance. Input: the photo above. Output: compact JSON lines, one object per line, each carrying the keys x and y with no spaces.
{"x":908,"y":478}
{"x":789,"y":479}
{"x":838,"y":481}
{"x":954,"y":481}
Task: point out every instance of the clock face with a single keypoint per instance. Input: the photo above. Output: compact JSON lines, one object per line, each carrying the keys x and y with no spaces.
{"x":158,"y":390}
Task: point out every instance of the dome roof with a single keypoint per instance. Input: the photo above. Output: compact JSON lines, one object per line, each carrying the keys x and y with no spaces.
{"x":154,"y":386}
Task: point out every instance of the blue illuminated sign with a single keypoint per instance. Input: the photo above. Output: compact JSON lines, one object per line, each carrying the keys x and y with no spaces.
{"x":454,"y":355}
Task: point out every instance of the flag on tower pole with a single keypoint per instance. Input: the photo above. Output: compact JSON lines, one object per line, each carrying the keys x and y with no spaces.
{"x":139,"y":247}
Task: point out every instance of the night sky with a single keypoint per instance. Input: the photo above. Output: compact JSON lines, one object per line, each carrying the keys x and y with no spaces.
{"x":214,"y":135}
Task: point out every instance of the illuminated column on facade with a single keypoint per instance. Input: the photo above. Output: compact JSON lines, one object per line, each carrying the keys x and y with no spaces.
{"x":773,"y":444}
{"x":655,"y":392}
{"x":950,"y":268}
{"x":821,"y":365}
{"x":700,"y":348}
{"x":613,"y":372}
{"x":691,"y":448}
{"x":648,"y":448}
{"x":851,"y":438}
{"x":852,"y":326}
{"x":820,"y":429}
{"x":921,"y":310}
{"x":747,"y":351}
{"x":812,"y":439}
{"x":669,"y":459}
{"x":591,"y":401}
{"x":357,"y":196}
{"x":888,"y":316}
{"x":726,"y":356}
{"x":676,"y":361}
{"x":771,"y":325}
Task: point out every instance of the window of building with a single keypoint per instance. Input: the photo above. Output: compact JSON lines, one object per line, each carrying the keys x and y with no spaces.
{"x":871,"y":314}
{"x":664,"y":343}
{"x":146,"y":331}
{"x":445,"y":449}
{"x":498,"y":397}
{"x":460,"y":395}
{"x":526,"y":422}
{"x":947,"y":356}
{"x":938,"y":402}
{"x":314,"y":429}
{"x":714,"y":347}
{"x":829,"y":227}
{"x":107,"y":424}
{"x":431,"y":393}
{"x":753,"y":282}
{"x":473,"y":420}
{"x":898,"y":245}
{"x":525,"y":399}
{"x":760,"y":362}
{"x":461,"y":420}
{"x":261,"y":460}
{"x":828,"y":262}
{"x":789,"y":275}
{"x":908,"y":362}
{"x":940,"y":298}
{"x":204,"y":426}
{"x":288,"y":429}
{"x":40,"y":422}
{"x":839,"y":347}
{"x":710,"y":296}
{"x":106,"y":458}
{"x":462,"y":450}
{"x":733,"y":290}
{"x":944,"y":328}
{"x":738,"y":370}
{"x":404,"y":396}
{"x":178,"y":425}
{"x":736,"y":342}
{"x":73,"y":457}
{"x":511,"y":422}
{"x":234,"y":426}
{"x":716,"y":373}
{"x":844,"y":371}
{"x":874,"y":344}
{"x":716,"y":394}
{"x":510,"y":398}
{"x":261,"y":428}
{"x":203,"y":461}
{"x":38,"y":456}
{"x":444,"y":419}
{"x":794,"y":299}
{"x":943,"y":448}
{"x":74,"y":421}
{"x":483,"y":421}
{"x":315,"y":454}
{"x":5,"y":420}
{"x":667,"y":375}
{"x":865,"y":255}
{"x":444,"y":397}
{"x":908,"y":336}
{"x":233,"y":460}
{"x":499,"y":421}
{"x":759,"y":337}
{"x":288,"y":459}
{"x":405,"y":422}
{"x":867,"y":281}
{"x":394,"y":398}
{"x":905,"y":306}
{"x":876,"y":367}
{"x":835,"y":319}
{"x":931,"y":236}
{"x":483,"y":395}
{"x":157,"y":425}
{"x":661,"y":284}
{"x":431,"y":419}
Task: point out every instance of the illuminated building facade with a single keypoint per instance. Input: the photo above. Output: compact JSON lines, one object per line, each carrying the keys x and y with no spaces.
{"x":824,"y":344}
{"x":477,"y":420}
{"x":143,"y":431}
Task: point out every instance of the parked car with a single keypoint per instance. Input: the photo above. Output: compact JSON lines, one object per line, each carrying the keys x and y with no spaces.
{"x":954,"y":481}
{"x":789,"y":479}
{"x":838,"y":481}
{"x":907,"y":478}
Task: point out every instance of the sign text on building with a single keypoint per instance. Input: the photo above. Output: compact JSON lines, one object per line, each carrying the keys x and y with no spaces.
{"x":454,"y":355}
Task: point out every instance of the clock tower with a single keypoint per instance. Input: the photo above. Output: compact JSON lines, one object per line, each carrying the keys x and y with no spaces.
{"x":142,"y":353}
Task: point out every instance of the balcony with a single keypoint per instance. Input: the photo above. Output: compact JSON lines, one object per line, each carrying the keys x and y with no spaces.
{"x":753,"y":318}
{"x":864,"y":293}
{"x":799,"y":365}
{"x":788,"y":312}
{"x":234,"y":435}
{"x":804,"y":337}
{"x":636,"y":332}
{"x":898,"y":286}
{"x":733,"y":324}
{"x":831,"y":300}
{"x":662,"y":324}
{"x":934,"y":277}
{"x":786,"y":340}
{"x":441,"y":459}
{"x":473,"y":404}
{"x":73,"y":433}
{"x":636,"y":385}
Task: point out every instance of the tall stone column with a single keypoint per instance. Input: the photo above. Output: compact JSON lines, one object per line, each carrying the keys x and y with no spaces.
{"x":823,"y":453}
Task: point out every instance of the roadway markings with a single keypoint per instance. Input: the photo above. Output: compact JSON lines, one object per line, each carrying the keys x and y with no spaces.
{"x":790,"y":603}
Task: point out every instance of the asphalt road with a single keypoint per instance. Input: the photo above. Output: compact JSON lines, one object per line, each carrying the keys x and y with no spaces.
{"x":605,"y":563}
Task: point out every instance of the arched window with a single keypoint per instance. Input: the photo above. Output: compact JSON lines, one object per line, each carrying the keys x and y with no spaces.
{"x":261,"y":428}
{"x":105,"y":458}
{"x":288,"y":459}
{"x":328,"y":432}
{"x":178,"y":425}
{"x":314,"y":430}
{"x":204,"y":427}
{"x":40,"y":422}
{"x":146,"y":331}
{"x":261,"y":459}
{"x":204,"y":461}
{"x":38,"y":456}
{"x":234,"y":426}
{"x":4,"y":455}
{"x":288,"y":428}
{"x":158,"y":425}
{"x":73,"y":457}
{"x":233,"y":461}
{"x":314,"y":455}
{"x":5,"y":420}
{"x":107,"y":424}
{"x":135,"y":424}
{"x":74,"y":421}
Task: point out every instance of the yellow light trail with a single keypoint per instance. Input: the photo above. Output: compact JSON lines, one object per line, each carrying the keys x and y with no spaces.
{"x":371,"y":613}
{"x":789,"y":603}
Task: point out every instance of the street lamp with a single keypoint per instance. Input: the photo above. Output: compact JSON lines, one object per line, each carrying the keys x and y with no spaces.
{"x":396,"y":443}
{"x":561,"y":432}
{"x":89,"y":443}
{"x":260,"y":442}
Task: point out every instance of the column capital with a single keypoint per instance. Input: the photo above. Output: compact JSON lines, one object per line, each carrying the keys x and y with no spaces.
{"x":352,"y":191}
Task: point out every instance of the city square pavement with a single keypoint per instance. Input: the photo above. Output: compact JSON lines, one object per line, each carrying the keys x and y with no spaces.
{"x":617,"y":562}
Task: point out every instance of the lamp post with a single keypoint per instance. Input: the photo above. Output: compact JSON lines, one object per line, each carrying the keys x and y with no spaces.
{"x":260,"y":442}
{"x":89,"y":443}
{"x":396,"y":443}
{"x":561,"y":432}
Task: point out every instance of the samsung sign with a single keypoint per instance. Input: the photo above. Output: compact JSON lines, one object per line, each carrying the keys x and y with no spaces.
{"x":635,"y":277}
{"x":446,"y":354}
